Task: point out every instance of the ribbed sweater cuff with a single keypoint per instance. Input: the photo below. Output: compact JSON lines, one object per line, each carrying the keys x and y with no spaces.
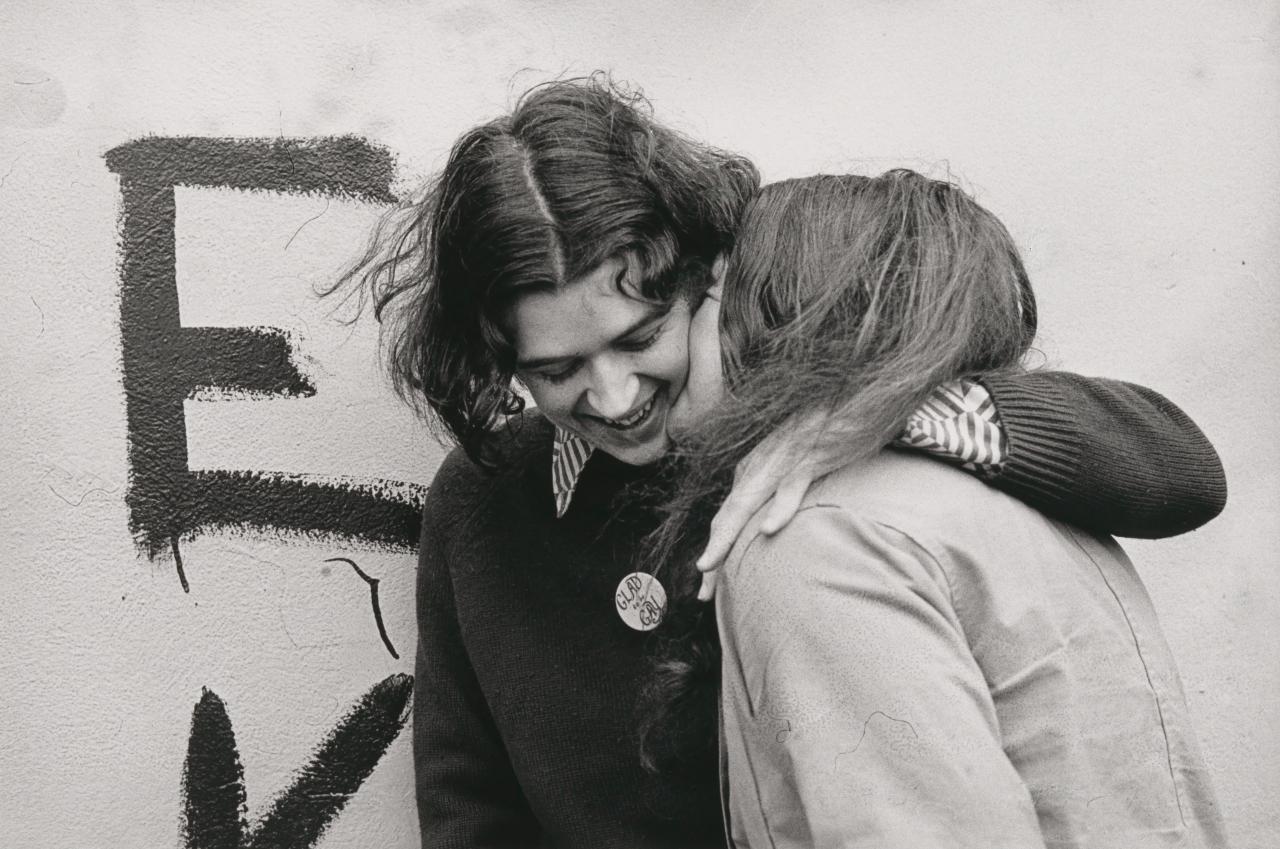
{"x":1042,"y":436}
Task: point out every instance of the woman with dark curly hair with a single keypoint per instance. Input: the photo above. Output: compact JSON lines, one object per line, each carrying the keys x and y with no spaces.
{"x":917,"y":660}
{"x":559,"y":255}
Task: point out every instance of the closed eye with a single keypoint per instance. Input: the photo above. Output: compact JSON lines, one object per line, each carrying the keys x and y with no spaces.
{"x":641,"y":344}
{"x":644,"y":341}
{"x":559,"y":375}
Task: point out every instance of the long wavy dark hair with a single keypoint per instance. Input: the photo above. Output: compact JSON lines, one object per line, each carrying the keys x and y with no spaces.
{"x":577,"y":173}
{"x":844,"y":295}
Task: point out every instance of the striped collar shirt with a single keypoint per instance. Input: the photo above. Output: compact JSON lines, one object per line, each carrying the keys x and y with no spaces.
{"x":957,"y":422}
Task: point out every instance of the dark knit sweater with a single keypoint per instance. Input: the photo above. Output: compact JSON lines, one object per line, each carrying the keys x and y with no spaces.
{"x":1108,"y":456}
{"x":526,"y":678}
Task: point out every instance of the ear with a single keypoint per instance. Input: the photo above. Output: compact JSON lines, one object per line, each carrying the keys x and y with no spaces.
{"x":717,"y":277}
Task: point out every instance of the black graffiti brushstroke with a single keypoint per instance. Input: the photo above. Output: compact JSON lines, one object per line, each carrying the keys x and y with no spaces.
{"x":164,"y":363}
{"x":212,"y":780}
{"x":262,"y":502}
{"x":346,"y":166}
{"x":177,"y":564}
{"x":213,"y":792}
{"x":373,"y":597}
{"x":300,"y":815}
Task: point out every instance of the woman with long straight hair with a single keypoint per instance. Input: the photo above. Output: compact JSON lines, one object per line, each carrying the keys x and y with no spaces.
{"x":917,"y":660}
{"x":564,"y":247}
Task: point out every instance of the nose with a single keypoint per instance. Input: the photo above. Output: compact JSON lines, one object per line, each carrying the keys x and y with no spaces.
{"x":614,"y":389}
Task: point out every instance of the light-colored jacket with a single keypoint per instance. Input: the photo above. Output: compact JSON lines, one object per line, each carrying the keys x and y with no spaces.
{"x":920,"y":661}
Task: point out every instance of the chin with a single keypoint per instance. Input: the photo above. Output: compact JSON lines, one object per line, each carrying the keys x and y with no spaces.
{"x":642,"y":455}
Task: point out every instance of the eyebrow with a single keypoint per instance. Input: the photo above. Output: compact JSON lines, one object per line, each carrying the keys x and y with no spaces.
{"x":659,"y":311}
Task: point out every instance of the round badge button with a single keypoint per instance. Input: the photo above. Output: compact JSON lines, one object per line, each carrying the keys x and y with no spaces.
{"x":641,"y":601}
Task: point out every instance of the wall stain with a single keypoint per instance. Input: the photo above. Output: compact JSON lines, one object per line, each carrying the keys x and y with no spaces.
{"x":213,"y":791}
{"x":30,"y":97}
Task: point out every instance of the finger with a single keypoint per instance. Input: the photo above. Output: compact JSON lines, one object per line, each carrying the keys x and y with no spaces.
{"x":707,"y":591}
{"x":786,"y":502}
{"x":754,"y":481}
{"x":719,"y":541}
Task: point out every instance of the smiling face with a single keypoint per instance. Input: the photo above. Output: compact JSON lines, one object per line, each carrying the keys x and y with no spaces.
{"x":602,"y":363}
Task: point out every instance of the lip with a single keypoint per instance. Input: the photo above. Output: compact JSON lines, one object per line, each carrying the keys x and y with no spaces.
{"x":648,"y":405}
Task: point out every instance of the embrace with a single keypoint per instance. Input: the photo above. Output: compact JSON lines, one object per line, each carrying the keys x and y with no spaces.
{"x":808,"y":400}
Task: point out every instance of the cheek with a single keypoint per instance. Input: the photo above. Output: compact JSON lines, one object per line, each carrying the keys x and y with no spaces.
{"x":706,"y":378}
{"x":706,"y":374}
{"x":705,"y":383}
{"x":668,"y":360}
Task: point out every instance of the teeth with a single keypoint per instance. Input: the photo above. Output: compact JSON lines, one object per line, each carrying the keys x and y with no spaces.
{"x":634,"y":417}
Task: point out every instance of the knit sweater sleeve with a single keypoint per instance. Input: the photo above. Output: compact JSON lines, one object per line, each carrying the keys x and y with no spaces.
{"x":1105,"y":455}
{"x":468,"y":795}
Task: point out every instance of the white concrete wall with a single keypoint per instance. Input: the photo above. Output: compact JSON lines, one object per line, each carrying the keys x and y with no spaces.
{"x":1132,"y":148}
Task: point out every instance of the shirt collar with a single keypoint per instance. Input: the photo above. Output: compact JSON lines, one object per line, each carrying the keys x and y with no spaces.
{"x":569,"y":453}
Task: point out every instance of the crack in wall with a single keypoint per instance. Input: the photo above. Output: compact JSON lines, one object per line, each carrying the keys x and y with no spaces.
{"x":373,"y":597}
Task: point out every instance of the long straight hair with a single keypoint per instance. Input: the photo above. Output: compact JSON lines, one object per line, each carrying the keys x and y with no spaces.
{"x":847,"y":296}
{"x":577,"y":173}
